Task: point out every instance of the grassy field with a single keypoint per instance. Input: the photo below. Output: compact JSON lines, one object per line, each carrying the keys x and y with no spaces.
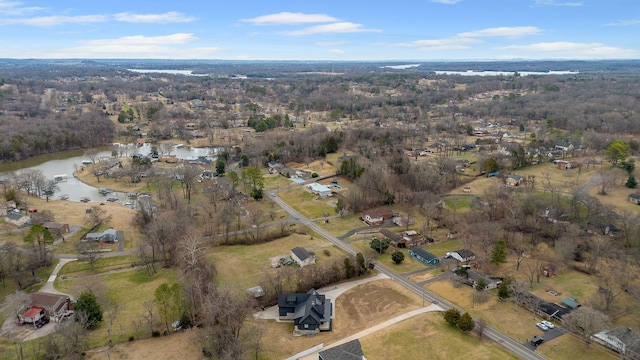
{"x":341,"y":225}
{"x":82,"y":268}
{"x":129,"y":289}
{"x":427,"y":336}
{"x":307,"y":203}
{"x":243,"y":266}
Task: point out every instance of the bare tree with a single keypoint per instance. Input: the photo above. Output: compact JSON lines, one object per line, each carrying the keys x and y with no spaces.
{"x":480,"y":327}
{"x":585,"y":321}
{"x":92,"y":154}
{"x":90,"y":251}
{"x":96,"y":216}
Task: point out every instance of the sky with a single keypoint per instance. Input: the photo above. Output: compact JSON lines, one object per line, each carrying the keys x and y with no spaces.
{"x":371,"y":30}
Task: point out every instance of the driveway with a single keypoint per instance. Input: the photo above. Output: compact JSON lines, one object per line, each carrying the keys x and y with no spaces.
{"x":27,"y":332}
{"x":331,"y":292}
{"x":548,"y":336}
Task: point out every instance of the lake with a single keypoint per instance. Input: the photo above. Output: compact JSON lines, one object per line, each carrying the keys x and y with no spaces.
{"x":67,"y":162}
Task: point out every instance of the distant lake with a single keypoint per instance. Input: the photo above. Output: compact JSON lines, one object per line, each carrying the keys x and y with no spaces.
{"x":504,"y":73}
{"x":168,"y":71}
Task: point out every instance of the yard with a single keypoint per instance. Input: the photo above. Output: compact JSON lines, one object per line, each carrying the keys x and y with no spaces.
{"x":130,"y":289}
{"x":427,"y":336}
{"x":355,"y":310}
{"x":307,"y":203}
{"x":243,"y":266}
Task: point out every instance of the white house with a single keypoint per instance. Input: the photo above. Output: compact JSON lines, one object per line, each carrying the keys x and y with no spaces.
{"x":321,"y":190}
{"x":302,"y":257}
{"x":463,"y":255}
{"x":17,"y":219}
{"x":622,"y":340}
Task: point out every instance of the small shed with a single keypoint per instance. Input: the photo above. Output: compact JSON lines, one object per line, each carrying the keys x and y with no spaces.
{"x":256,"y":291}
{"x":424,"y":256}
{"x":634,"y":198}
{"x":302,"y":257}
{"x":570,"y":302}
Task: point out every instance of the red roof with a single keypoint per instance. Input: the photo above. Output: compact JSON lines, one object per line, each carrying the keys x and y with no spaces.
{"x":32,"y":312}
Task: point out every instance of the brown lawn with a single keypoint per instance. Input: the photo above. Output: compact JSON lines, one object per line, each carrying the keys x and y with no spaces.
{"x":355,"y":310}
{"x":178,"y":346}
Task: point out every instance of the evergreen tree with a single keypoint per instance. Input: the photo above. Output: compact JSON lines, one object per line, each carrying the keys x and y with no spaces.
{"x":499,"y":253}
{"x":397,"y":257}
{"x":631,"y":182}
{"x":452,"y":316}
{"x":88,"y":304}
{"x":466,"y":323}
{"x":220,"y":167}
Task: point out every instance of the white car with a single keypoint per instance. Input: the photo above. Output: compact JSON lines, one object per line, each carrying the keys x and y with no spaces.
{"x":548,"y":324}
{"x":542,"y":326}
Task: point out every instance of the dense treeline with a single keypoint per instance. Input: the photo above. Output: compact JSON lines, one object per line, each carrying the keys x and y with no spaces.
{"x":26,"y":137}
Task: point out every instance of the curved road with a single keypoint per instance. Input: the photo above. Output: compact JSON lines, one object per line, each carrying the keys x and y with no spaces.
{"x":515,"y":347}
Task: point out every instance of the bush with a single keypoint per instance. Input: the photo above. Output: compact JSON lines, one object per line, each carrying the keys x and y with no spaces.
{"x":397,"y":257}
{"x":326,"y":252}
{"x":155,"y":333}
{"x":452,"y":316}
{"x":131,"y":338}
{"x":314,"y":175}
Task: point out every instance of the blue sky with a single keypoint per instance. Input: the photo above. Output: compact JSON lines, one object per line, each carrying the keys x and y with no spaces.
{"x":321,"y":30}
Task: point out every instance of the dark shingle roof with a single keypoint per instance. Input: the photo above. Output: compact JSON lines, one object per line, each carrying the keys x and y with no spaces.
{"x":391,"y":235}
{"x":347,"y":351}
{"x":301,"y":253}
{"x":424,"y":253}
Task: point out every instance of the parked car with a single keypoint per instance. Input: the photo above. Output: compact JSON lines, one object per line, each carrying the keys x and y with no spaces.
{"x":536,"y":341}
{"x":542,"y":326}
{"x":548,"y":324}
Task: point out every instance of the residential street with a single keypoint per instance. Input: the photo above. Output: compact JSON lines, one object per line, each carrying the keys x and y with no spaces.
{"x":514,"y":346}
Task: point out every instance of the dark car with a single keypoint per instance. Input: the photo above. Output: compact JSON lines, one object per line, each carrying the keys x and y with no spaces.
{"x":536,"y":341}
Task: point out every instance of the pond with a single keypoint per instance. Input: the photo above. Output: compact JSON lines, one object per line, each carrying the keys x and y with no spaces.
{"x":67,"y":162}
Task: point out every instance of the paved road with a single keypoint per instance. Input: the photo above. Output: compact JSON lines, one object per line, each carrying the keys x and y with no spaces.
{"x":518,"y":349}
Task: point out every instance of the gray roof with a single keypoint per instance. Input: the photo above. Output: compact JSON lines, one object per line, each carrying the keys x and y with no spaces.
{"x":301,"y":253}
{"x":391,"y":235}
{"x":465,"y":253}
{"x":424,"y":254}
{"x":347,"y":351}
{"x":14,"y":216}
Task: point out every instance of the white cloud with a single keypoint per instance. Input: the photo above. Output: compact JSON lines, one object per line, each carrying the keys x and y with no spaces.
{"x":47,"y":21}
{"x":556,"y":3}
{"x":141,"y":40}
{"x":447,"y":2}
{"x":337,"y":51}
{"x":464,"y":40}
{"x":339,"y":27}
{"x":624,"y":23}
{"x":452,"y":43}
{"x":290,"y":18}
{"x":570,"y":50}
{"x":169,"y":17}
{"x":16,"y":8}
{"x":331,"y":43}
{"x":143,"y":47}
{"x":509,"y":32}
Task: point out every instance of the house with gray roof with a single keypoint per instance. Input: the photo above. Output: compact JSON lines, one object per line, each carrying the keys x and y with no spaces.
{"x":17,"y":219}
{"x":424,"y":256}
{"x":302,"y":257}
{"x":351,"y":350}
{"x":107,"y":236}
{"x":623,"y":340}
{"x":310,"y":312}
